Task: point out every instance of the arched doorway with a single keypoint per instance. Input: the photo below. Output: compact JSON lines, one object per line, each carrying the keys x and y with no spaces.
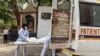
{"x":30,"y":23}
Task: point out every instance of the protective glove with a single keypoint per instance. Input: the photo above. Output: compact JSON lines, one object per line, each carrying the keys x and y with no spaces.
{"x":27,"y":38}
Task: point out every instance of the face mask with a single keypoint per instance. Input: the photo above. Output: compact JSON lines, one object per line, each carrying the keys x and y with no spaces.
{"x":26,"y":28}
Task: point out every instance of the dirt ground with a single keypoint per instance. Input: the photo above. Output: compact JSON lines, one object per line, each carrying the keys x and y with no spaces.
{"x":6,"y":49}
{"x":9,"y":49}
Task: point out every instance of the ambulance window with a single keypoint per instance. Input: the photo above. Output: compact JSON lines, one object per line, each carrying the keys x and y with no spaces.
{"x":96,"y":15}
{"x":85,"y":14}
{"x":63,"y":5}
{"x":89,"y":14}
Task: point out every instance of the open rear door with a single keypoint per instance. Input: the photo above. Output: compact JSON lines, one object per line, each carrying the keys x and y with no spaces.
{"x":60,"y":30}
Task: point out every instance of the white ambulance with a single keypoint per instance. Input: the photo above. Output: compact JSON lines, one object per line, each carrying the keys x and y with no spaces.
{"x":85,"y":26}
